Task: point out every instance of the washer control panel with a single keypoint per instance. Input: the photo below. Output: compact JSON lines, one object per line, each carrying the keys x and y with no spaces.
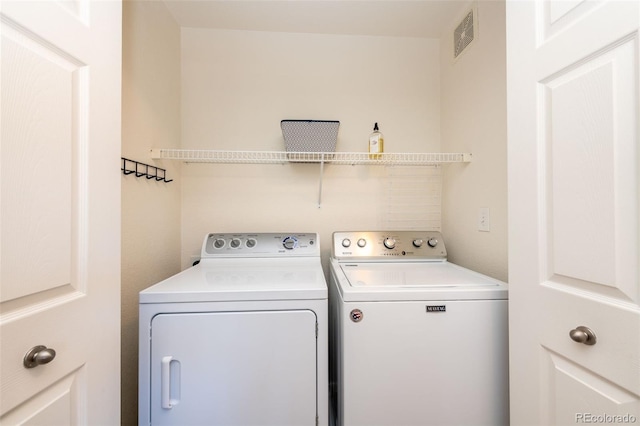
{"x":263,"y":244}
{"x":388,"y":245}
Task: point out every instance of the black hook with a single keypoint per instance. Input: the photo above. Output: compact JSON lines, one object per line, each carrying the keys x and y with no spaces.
{"x":164,"y":176}
{"x":138,"y":174}
{"x":124,"y":167}
{"x":149,"y":176}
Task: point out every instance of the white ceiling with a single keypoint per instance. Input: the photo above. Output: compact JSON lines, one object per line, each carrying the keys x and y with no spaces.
{"x":393,"y":18}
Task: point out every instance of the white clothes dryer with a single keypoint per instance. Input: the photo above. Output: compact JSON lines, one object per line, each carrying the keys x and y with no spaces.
{"x":414,"y":339}
{"x":240,"y":338}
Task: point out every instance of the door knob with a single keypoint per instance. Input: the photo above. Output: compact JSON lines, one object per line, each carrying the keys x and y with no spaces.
{"x":38,"y":355}
{"x":584,"y":335}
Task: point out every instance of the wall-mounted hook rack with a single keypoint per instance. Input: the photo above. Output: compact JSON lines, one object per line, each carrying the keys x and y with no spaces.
{"x":142,"y":169}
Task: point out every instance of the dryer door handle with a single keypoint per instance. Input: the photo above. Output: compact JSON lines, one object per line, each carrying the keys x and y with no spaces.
{"x":169,"y":382}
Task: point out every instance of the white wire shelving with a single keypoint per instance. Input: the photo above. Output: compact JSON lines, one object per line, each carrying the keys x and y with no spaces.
{"x":322,"y":158}
{"x":282,"y":157}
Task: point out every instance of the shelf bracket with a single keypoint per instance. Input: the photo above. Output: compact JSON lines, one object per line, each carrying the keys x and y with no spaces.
{"x":321,"y":177}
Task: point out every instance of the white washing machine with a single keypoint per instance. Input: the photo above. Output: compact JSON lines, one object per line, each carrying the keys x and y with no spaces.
{"x":414,"y":339}
{"x":240,"y":338}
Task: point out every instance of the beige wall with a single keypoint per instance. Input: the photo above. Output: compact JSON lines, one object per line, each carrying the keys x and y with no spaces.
{"x":473,"y":91}
{"x":238,"y":85}
{"x":150,"y":209}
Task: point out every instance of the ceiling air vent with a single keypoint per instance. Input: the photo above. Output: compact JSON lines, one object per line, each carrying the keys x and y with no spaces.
{"x":464,"y":33}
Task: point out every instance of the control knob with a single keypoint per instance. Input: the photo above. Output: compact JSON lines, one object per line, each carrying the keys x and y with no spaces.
{"x":346,"y":243}
{"x":235,"y":243}
{"x":218,"y":243}
{"x":418,"y":242}
{"x":432,"y":242}
{"x":289,"y":243}
{"x":389,"y":243}
{"x":362,"y":242}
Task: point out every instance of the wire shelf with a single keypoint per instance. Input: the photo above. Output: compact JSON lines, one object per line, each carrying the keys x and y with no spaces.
{"x":321,"y":158}
{"x":281,"y":157}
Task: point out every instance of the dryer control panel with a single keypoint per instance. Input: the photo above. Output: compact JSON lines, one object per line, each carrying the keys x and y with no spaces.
{"x":388,"y":246}
{"x":262,"y":244}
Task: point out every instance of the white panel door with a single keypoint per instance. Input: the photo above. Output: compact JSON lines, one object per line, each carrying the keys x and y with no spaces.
{"x":60,"y":211}
{"x":574,"y":207}
{"x":234,"y":369}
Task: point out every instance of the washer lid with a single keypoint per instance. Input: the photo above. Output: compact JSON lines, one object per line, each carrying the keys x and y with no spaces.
{"x":414,"y":281}
{"x":436,"y":274}
{"x":242,"y":280}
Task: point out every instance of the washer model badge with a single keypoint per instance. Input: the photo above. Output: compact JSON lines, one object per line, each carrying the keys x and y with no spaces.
{"x":436,"y":308}
{"x":356,"y":315}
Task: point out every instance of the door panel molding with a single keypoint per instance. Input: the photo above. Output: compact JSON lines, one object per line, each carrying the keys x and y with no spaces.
{"x":565,"y":381}
{"x":59,"y":404}
{"x":590,"y":200}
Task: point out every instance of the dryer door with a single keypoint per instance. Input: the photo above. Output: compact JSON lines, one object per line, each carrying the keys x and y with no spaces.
{"x":234,"y":368}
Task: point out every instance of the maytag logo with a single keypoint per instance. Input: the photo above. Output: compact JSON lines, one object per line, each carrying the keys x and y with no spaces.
{"x":436,"y":308}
